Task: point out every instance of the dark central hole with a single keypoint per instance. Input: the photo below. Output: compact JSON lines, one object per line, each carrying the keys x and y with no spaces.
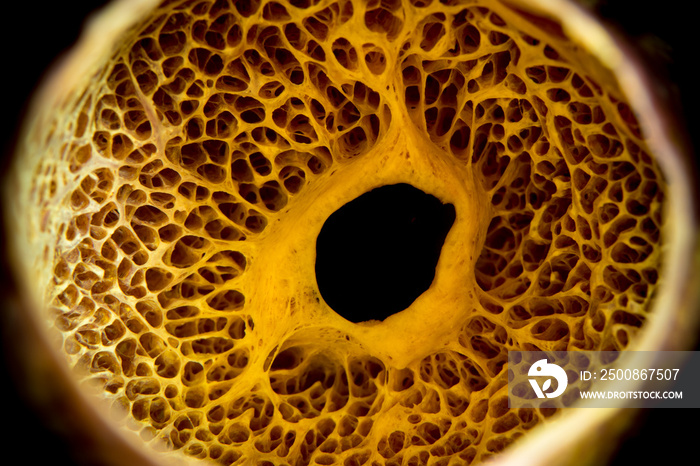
{"x":378,"y":253}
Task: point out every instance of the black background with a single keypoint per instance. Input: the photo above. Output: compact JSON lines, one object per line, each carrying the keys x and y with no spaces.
{"x":35,"y":33}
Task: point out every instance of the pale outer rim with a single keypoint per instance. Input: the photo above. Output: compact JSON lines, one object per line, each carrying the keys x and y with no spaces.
{"x":544,"y":445}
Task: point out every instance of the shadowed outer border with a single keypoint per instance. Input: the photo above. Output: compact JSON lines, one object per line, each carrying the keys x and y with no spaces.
{"x":681,"y":282}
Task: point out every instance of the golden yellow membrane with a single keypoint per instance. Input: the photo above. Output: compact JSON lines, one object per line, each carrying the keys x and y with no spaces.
{"x":194,"y":172}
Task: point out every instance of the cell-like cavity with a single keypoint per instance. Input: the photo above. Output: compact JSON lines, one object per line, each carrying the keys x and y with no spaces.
{"x":293,"y":179}
{"x":345,"y":53}
{"x":310,"y":383}
{"x":433,"y":31}
{"x":228,"y":300}
{"x":382,"y":20}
